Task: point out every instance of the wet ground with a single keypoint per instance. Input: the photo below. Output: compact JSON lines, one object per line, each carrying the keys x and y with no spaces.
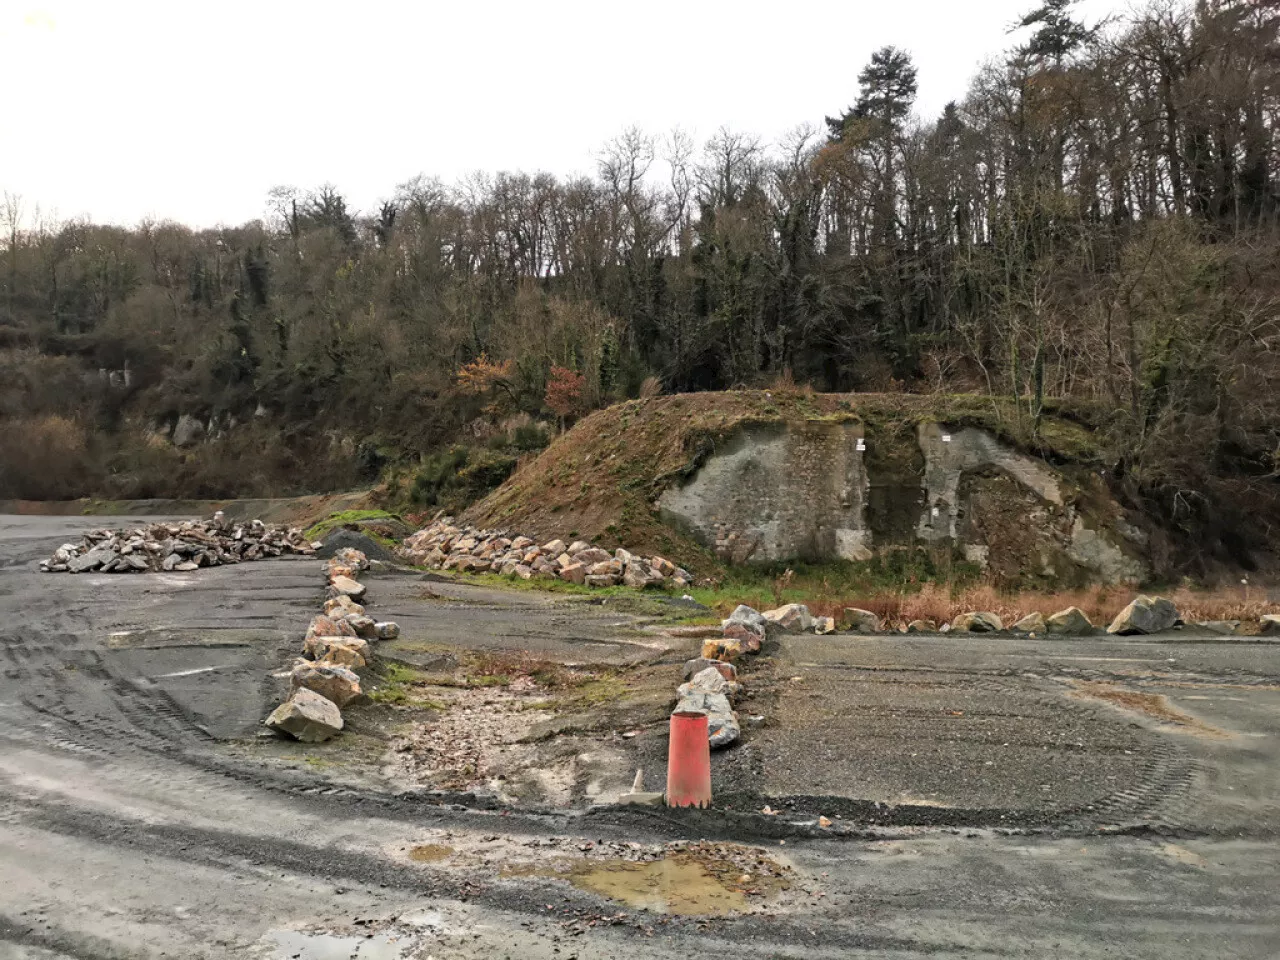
{"x":988,"y":797}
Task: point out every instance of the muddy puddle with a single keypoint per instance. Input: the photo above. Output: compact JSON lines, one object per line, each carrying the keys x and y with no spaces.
{"x":712,"y":880}
{"x":430,"y":853}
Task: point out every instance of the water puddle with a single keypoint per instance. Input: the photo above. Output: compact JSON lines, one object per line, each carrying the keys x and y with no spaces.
{"x":292,"y":945}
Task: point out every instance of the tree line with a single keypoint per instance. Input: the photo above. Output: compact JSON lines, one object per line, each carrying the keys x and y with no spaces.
{"x":1096,"y":222}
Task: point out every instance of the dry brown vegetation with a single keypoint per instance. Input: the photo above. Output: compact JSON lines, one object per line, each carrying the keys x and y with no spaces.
{"x":941,"y":604}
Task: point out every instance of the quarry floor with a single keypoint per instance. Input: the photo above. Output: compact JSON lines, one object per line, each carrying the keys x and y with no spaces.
{"x":988,"y":797}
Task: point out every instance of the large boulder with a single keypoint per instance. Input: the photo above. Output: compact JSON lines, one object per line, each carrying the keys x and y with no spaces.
{"x":387,"y":630}
{"x":364,"y":626}
{"x":574,"y":573}
{"x":346,"y":587}
{"x":593,"y":555}
{"x":1071,"y":622}
{"x":333,"y":681}
{"x":1145,"y":615}
{"x":860,"y":621}
{"x":1270,"y":623}
{"x":745,"y":635}
{"x":307,"y":716}
{"x":977,"y":623}
{"x":188,"y":431}
{"x":341,"y":606}
{"x":345,"y":651}
{"x":1031,"y":623}
{"x":793,"y":618}
{"x":322,"y":626}
{"x":922,"y":626}
{"x":709,"y":680}
{"x":744,"y":614}
{"x":824,"y":625}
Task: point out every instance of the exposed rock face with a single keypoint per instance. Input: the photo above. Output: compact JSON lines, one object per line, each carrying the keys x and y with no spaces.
{"x":1070,"y":622}
{"x":977,"y":623}
{"x":307,"y":716}
{"x":776,"y":492}
{"x":188,"y":431}
{"x":803,"y":490}
{"x":175,"y":547}
{"x":333,"y":681}
{"x":1145,"y":615}
{"x":860,"y":621}
{"x":1095,"y":552}
{"x":949,"y":453}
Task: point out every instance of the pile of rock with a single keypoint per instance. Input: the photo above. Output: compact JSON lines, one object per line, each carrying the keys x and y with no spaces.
{"x":324,"y":680}
{"x":176,"y":547}
{"x":445,"y":546}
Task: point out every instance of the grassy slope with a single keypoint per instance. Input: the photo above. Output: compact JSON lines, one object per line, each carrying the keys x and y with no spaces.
{"x":600,"y":481}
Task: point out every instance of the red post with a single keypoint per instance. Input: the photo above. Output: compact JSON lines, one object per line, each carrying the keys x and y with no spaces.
{"x":689,"y":761}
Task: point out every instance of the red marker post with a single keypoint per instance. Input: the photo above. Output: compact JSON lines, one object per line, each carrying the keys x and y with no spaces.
{"x":689,"y":761}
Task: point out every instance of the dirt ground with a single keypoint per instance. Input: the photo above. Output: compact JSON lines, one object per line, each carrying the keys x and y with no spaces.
{"x":987,"y":796}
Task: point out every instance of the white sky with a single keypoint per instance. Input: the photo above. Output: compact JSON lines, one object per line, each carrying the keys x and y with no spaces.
{"x":192,"y":110}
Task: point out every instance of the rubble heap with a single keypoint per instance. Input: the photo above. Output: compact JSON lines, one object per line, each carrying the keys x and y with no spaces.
{"x":176,"y":547}
{"x":324,"y":680}
{"x":445,"y":546}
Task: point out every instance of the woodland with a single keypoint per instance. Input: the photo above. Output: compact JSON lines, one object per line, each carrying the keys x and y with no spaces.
{"x":1092,"y":227}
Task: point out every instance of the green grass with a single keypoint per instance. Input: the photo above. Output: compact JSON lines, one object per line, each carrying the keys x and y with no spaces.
{"x":396,"y":685}
{"x":335,"y":520}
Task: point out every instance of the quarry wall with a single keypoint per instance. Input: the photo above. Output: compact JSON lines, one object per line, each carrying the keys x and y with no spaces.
{"x":799,"y":490}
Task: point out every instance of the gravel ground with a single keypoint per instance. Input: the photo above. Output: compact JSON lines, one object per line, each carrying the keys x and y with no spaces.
{"x":991,"y":797}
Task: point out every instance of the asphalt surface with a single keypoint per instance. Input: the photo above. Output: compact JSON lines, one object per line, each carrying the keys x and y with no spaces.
{"x":988,"y":802}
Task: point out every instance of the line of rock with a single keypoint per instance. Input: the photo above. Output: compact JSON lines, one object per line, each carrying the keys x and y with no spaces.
{"x":445,"y":546}
{"x":324,"y":680}
{"x":183,"y":546}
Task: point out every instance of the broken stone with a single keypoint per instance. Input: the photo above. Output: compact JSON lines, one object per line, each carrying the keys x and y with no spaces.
{"x":742,"y":632}
{"x":698,"y":664}
{"x":307,"y":716}
{"x":387,"y":630}
{"x":722,"y":722}
{"x":1145,"y":615}
{"x":709,"y":680}
{"x":860,"y":621}
{"x":573,"y":573}
{"x":793,"y":618}
{"x":329,"y":627}
{"x":577,"y":547}
{"x":1070,"y":622}
{"x":341,"y":606}
{"x":1270,"y":623}
{"x":922,"y":626}
{"x":1223,"y":628}
{"x":554,"y":548}
{"x":605,"y":580}
{"x":593,"y":555}
{"x":346,"y":587}
{"x":663,"y":566}
{"x":639,"y":576}
{"x":744,"y":614}
{"x":362,"y":625}
{"x":1031,"y":623}
{"x":824,"y":625}
{"x":977,"y":623}
{"x":332,"y":680}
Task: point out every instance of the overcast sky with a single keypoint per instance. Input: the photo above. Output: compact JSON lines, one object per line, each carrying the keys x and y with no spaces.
{"x":191,"y":110}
